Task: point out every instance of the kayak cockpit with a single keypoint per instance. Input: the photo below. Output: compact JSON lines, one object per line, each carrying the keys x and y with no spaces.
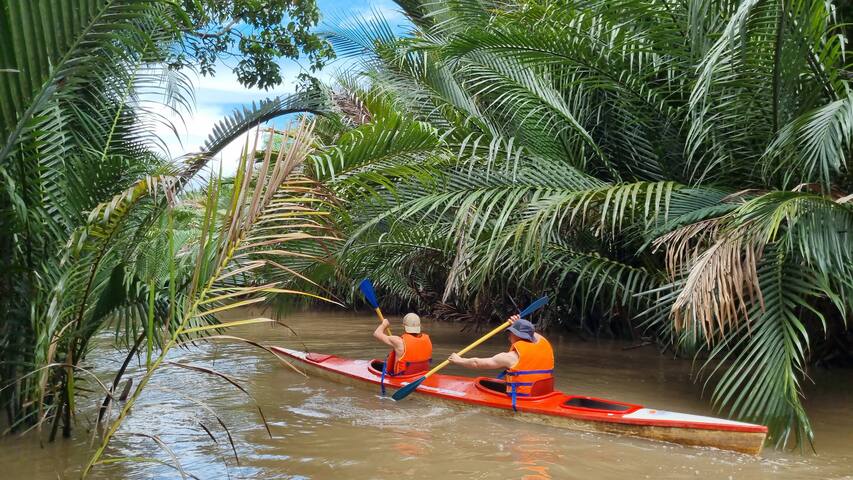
{"x":496,"y":386}
{"x":577,"y":403}
{"x":375,"y":367}
{"x":598,"y":405}
{"x":491,"y":385}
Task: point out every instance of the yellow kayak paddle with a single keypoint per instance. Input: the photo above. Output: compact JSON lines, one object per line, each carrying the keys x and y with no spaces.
{"x":406,"y":390}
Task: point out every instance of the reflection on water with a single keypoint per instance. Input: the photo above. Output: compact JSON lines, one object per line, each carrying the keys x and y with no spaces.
{"x":321,"y":429}
{"x":532,"y":456}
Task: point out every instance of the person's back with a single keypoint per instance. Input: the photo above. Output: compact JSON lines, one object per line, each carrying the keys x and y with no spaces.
{"x":533,"y":374}
{"x":416,"y":357}
{"x":411,"y":353}
{"x":528,"y":365}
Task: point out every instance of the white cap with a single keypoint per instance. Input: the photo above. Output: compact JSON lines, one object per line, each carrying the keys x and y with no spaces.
{"x":412,"y":323}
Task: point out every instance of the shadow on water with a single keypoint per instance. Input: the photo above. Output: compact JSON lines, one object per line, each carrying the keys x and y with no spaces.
{"x":321,"y":429}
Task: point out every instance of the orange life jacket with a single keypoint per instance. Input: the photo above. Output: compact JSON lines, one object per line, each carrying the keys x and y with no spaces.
{"x":533,"y":374}
{"x":417,"y":354}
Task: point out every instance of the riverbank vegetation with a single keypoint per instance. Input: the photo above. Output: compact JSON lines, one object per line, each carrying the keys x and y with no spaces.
{"x":674,"y":168}
{"x":87,"y":205}
{"x":677,"y":170}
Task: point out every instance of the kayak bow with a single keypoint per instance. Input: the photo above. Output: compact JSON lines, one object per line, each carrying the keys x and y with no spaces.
{"x":575,"y":412}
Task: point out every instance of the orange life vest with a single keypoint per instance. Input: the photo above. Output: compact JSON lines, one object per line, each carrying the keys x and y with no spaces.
{"x":533,"y":374}
{"x":417,"y":354}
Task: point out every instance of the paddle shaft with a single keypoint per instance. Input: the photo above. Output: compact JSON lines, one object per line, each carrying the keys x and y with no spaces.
{"x":467,"y":349}
{"x":379,"y":313}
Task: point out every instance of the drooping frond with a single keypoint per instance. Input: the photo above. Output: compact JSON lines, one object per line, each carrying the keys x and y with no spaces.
{"x":813,"y":147}
{"x":271,"y":205}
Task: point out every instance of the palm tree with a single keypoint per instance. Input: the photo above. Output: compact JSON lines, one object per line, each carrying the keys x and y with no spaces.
{"x":85,"y":191}
{"x":270,"y":206}
{"x":676,"y":166}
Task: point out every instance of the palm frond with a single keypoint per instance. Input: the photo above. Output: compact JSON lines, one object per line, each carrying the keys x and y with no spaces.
{"x":273,"y":194}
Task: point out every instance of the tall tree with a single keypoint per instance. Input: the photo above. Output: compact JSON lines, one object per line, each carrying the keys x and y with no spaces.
{"x":257,"y":34}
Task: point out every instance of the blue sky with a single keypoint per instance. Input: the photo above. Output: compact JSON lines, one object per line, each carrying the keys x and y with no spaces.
{"x":218,"y":96}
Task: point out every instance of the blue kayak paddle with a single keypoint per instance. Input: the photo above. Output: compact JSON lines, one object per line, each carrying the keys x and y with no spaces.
{"x":406,"y":390}
{"x":366,"y":287}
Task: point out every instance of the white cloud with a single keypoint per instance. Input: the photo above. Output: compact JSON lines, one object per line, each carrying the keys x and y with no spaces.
{"x":218,"y":96}
{"x":225,"y":88}
{"x":194,"y":132}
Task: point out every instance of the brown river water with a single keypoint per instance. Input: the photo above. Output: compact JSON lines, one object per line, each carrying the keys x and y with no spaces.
{"x":324,"y":430}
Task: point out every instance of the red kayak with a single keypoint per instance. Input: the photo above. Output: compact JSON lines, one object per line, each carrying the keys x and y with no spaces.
{"x":575,"y":412}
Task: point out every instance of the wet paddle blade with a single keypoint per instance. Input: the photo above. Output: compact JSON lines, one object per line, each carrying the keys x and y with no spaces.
{"x":366,"y":287}
{"x":534,"y":306}
{"x":405,"y":391}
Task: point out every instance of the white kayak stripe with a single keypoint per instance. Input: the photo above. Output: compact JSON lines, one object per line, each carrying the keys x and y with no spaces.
{"x":445,"y":391}
{"x":663,"y":415}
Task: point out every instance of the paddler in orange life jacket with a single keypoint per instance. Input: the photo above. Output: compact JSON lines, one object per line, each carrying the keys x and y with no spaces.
{"x":411,"y":352}
{"x":528,"y":365}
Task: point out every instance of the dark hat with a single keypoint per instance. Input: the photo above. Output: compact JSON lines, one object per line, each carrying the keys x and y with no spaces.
{"x":523,"y":329}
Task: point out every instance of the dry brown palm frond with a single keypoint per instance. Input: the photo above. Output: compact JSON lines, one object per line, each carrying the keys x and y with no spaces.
{"x":684,"y":243}
{"x":351,"y":106}
{"x":720,"y":271}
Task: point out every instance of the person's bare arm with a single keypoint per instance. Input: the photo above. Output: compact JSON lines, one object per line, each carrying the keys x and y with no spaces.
{"x":502,"y":360}
{"x":392,"y":341}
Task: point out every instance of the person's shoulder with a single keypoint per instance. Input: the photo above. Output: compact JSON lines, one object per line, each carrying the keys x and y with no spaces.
{"x":508,"y":359}
{"x":541,"y":338}
{"x":512,"y":354}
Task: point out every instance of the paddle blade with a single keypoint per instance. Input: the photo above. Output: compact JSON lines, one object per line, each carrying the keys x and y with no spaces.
{"x":533,"y":307}
{"x":366,"y":287}
{"x":405,"y":391}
